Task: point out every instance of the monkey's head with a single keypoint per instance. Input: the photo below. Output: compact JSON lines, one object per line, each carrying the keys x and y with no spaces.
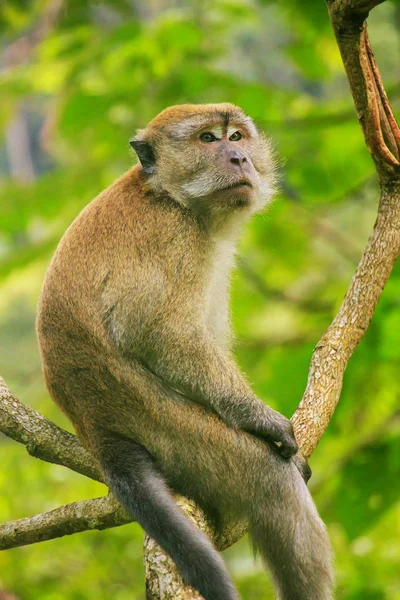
{"x":209,"y":158}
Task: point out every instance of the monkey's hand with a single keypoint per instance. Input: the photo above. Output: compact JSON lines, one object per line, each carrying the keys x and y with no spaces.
{"x":189,"y":361}
{"x":275,"y":429}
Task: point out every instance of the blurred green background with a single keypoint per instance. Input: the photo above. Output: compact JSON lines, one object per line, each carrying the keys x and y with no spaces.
{"x":77,"y":78}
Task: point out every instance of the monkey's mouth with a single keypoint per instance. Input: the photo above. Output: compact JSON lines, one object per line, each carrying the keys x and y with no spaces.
{"x":238,"y":184}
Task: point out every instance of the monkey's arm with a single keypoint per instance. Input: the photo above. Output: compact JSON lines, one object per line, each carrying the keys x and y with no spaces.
{"x":187,"y":359}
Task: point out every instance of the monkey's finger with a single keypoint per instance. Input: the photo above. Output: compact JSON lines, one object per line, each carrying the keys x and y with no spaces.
{"x":284,"y":436}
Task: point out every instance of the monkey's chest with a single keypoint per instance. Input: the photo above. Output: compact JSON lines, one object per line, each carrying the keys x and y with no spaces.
{"x":216,"y":304}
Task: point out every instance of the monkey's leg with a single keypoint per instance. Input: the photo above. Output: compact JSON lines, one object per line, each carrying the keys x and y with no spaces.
{"x":133,"y":478}
{"x":229,"y":473}
{"x":292,"y":539}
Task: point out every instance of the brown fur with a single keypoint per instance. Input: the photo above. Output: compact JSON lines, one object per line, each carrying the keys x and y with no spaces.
{"x":134,"y":333}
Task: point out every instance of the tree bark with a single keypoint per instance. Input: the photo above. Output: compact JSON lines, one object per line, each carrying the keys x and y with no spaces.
{"x":334,"y":350}
{"x":42,"y":438}
{"x":99,"y":513}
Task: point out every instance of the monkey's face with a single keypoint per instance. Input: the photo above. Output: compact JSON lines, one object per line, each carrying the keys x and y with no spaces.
{"x":209,"y":158}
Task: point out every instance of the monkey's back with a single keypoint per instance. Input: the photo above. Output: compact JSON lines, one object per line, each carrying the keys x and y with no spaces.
{"x":84,"y":330}
{"x":122,"y":251}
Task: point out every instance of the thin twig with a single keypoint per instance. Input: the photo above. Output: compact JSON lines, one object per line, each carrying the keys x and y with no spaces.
{"x":99,"y":513}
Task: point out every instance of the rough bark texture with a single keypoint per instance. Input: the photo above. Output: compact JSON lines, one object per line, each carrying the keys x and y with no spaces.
{"x":162,"y":577}
{"x":335,"y":348}
{"x":99,"y":513}
{"x":42,"y":438}
{"x":45,"y":440}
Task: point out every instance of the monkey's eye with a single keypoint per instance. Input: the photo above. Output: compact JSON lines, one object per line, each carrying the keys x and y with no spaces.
{"x":235,"y":137}
{"x":208,"y":137}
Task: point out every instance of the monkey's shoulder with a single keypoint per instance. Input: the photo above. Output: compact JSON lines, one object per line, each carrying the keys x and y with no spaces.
{"x":129,"y":219}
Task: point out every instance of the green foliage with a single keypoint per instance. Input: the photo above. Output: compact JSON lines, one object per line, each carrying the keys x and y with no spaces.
{"x":82,"y":83}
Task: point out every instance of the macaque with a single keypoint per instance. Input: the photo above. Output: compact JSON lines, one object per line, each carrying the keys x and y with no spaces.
{"x":134,"y":334}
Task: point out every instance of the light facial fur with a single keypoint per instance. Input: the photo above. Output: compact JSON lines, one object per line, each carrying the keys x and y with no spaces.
{"x":194,"y":173}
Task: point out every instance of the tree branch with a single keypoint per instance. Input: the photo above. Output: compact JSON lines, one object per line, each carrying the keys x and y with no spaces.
{"x":42,"y":438}
{"x":335,"y":348}
{"x":99,"y":513}
{"x":382,"y":137}
{"x":379,"y":126}
{"x":45,"y":440}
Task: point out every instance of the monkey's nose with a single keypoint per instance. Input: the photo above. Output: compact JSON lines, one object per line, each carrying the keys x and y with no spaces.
{"x":237,"y":158}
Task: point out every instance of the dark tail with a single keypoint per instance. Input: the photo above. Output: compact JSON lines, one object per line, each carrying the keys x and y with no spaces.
{"x":133,"y":478}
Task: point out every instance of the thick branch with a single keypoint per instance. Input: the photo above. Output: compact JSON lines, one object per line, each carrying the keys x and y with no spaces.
{"x":379,"y":126}
{"x":335,"y":348}
{"x":42,"y":438}
{"x":382,"y":137}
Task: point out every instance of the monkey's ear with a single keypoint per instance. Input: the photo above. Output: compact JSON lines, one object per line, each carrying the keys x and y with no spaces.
{"x":145,"y":154}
